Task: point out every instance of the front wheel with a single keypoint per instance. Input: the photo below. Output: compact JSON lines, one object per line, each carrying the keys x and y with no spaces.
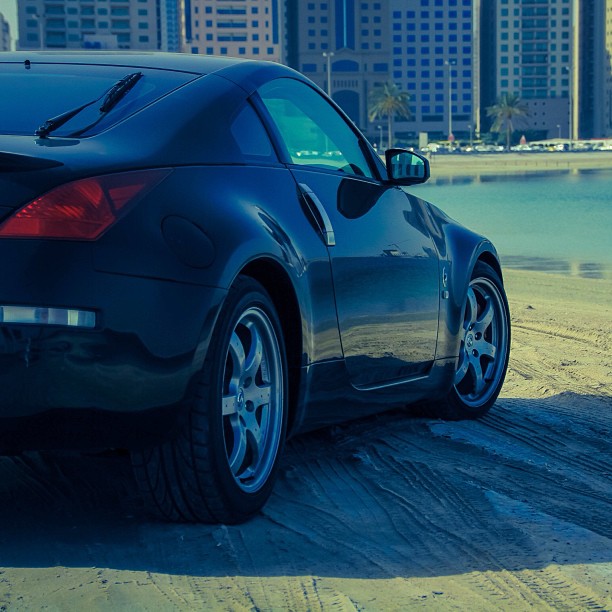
{"x":222,"y":465}
{"x":484,"y":351}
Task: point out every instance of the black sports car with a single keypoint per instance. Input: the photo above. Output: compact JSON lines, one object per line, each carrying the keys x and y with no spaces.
{"x":201,"y":256}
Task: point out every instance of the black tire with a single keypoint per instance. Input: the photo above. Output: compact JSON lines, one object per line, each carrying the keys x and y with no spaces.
{"x":485,"y":348}
{"x":222,"y":466}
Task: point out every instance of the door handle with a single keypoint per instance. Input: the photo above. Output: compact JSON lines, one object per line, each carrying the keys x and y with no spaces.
{"x":320,"y":214}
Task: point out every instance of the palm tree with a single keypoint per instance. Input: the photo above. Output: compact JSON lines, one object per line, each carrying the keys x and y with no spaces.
{"x":388,"y":100}
{"x":509,"y":106}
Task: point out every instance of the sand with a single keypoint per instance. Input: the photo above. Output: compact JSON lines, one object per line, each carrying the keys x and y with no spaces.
{"x":496,"y":163}
{"x":512,"y":512}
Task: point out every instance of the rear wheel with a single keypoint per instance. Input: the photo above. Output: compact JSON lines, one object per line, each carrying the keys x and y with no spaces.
{"x":222,"y":465}
{"x":485,"y":348}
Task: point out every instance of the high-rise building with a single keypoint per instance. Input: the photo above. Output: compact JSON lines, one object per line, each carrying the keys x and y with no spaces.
{"x":532,"y":56}
{"x":5,"y":34}
{"x":344,"y":46}
{"x":593,"y":56}
{"x":457,"y":57}
{"x":238,"y":28}
{"x":552,"y":53}
{"x":171,"y":20}
{"x":607,"y":69}
{"x":89,"y":24}
{"x":433,"y":51}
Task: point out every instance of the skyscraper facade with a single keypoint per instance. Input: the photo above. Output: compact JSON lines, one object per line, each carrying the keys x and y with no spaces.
{"x":593,"y":56}
{"x":5,"y":34}
{"x":533,"y":47}
{"x":607,"y":70}
{"x":457,"y":57}
{"x":238,"y":28}
{"x":171,"y":22}
{"x":89,"y":24}
{"x":552,"y":53}
{"x":434,"y":60}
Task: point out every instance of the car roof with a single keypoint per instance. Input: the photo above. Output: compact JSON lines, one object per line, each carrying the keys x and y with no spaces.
{"x":246,"y":73}
{"x":183,"y":62}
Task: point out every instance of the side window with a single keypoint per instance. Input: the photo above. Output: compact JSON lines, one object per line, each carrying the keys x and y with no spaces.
{"x":251,"y":136}
{"x":312,"y":130}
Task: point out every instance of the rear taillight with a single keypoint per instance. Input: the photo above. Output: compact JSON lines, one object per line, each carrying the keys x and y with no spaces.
{"x":81,"y":210}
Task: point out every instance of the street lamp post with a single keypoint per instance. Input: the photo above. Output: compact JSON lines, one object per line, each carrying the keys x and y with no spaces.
{"x":559,"y":130}
{"x":450,"y":64}
{"x":470,"y":129}
{"x":380,"y":142}
{"x":328,"y":57}
{"x":570,"y":136}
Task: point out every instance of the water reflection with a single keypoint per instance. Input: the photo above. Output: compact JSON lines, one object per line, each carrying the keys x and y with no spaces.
{"x":552,"y":221}
{"x":509,"y":177}
{"x":556,"y":266}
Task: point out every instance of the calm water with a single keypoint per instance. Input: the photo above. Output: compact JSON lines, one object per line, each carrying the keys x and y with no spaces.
{"x":555,"y":221}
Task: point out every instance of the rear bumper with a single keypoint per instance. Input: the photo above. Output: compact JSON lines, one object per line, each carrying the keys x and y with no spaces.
{"x":128,"y":373}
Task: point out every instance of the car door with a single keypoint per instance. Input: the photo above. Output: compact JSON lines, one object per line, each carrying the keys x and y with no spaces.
{"x":384,"y":262}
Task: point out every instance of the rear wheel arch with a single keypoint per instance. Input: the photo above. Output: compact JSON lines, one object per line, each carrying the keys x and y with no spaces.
{"x":277,"y":283}
{"x":222,"y":463}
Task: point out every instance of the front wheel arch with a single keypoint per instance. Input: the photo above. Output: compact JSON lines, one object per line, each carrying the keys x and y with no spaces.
{"x":484,"y":349}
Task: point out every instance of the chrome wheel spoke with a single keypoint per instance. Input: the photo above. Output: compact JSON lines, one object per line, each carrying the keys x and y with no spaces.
{"x":254,"y":358}
{"x":481,"y":363}
{"x":253,"y":401}
{"x":258,"y":395}
{"x":236,"y":352}
{"x":486,"y":349}
{"x":478,"y":377}
{"x":486,"y":316}
{"x":229,"y":405}
{"x":472,"y":309}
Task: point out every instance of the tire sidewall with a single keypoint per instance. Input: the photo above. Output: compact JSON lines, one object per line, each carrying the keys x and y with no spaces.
{"x":463,"y":410}
{"x":244,"y":294}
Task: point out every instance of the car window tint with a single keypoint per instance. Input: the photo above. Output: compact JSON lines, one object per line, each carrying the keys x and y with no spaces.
{"x":313,"y":131}
{"x":251,"y":136}
{"x":43,"y":91}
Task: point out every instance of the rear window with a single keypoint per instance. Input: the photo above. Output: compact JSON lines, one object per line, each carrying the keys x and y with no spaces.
{"x":43,"y":91}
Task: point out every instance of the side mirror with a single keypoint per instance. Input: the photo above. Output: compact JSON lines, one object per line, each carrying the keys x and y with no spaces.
{"x":406,"y":167}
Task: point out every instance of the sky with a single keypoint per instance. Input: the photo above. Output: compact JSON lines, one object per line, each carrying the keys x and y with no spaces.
{"x":9,"y":9}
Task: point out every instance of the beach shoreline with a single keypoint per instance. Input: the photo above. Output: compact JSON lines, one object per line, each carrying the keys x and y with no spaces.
{"x":467,"y":164}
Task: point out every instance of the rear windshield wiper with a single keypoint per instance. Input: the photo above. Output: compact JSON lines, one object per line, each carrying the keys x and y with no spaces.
{"x":111,"y":98}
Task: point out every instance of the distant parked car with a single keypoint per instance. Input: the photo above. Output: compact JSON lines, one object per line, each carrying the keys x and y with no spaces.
{"x":489,"y":148}
{"x":202,"y":256}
